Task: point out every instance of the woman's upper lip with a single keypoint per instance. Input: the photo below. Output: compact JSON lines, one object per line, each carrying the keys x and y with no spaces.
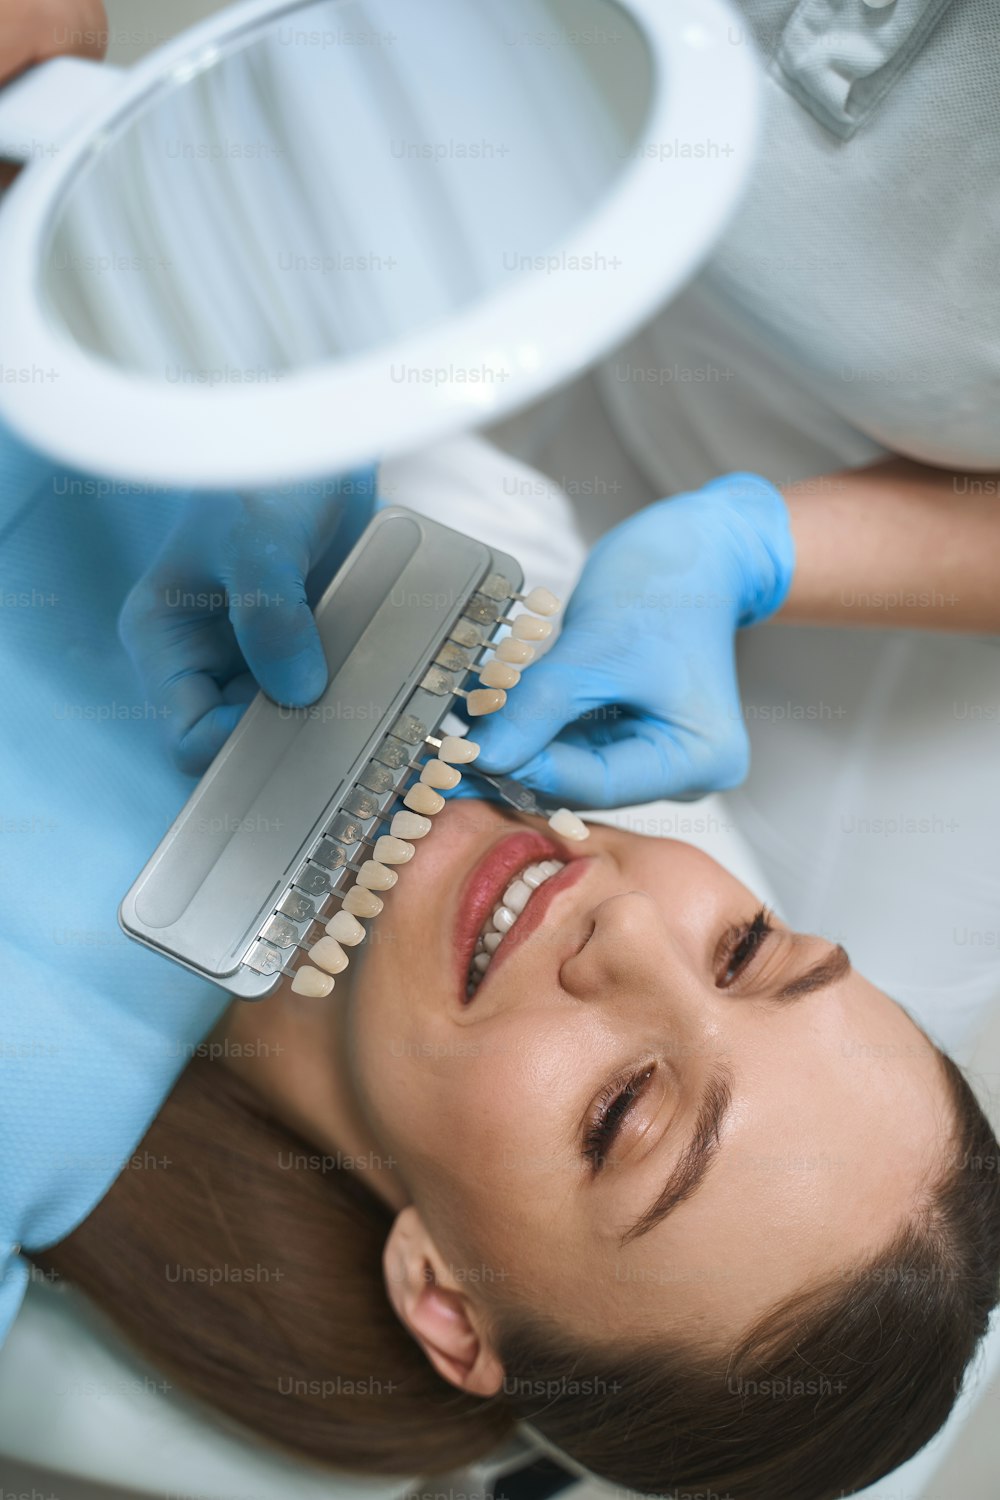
{"x":484,"y":890}
{"x":535,"y":912}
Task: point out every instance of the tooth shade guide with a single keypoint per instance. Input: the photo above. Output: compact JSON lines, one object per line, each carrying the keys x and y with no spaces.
{"x":540,"y":601}
{"x":456,"y":750}
{"x":529,"y":628}
{"x":376,"y":877}
{"x":499,"y":674}
{"x":390,"y":850}
{"x":442,"y":777}
{"x":467,"y":633}
{"x":312,"y":982}
{"x":329,"y":956}
{"x":568,"y":826}
{"x":498,"y":588}
{"x":483,"y":700}
{"x":496,"y":675}
{"x":409,"y":825}
{"x":345,"y":928}
{"x":423,"y":799}
{"x":518,"y":653}
{"x":362,"y":902}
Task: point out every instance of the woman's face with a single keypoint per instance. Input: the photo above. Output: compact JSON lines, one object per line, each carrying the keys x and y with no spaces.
{"x":787,"y":1106}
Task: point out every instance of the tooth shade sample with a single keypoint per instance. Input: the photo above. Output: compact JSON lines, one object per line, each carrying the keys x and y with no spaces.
{"x":392,"y":851}
{"x":376,"y":877}
{"x":409,"y":825}
{"x":345,"y":928}
{"x":503,"y":919}
{"x":327,"y":954}
{"x":361,"y":902}
{"x":499,"y":674}
{"x":457,"y":751}
{"x":491,"y":941}
{"x":486,"y":700}
{"x":527,"y":628}
{"x":435,"y":773}
{"x":423,"y":799}
{"x":310,"y":981}
{"x":568,"y":825}
{"x":518,"y":652}
{"x":542,"y":602}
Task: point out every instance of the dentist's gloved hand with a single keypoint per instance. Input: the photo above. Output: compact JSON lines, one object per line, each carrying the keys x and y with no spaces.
{"x":227,"y":606}
{"x":638,"y":698}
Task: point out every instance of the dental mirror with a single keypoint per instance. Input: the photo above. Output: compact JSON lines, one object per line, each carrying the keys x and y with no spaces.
{"x":301,"y":236}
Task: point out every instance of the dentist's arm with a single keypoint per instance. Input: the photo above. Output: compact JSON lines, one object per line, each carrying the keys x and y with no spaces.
{"x":898,"y":544}
{"x":31,"y":33}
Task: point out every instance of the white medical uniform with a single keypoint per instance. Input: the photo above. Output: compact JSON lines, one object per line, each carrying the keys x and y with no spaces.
{"x":851,"y":310}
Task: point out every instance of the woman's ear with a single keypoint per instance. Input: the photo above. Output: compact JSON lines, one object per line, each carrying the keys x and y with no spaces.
{"x":435,"y":1308}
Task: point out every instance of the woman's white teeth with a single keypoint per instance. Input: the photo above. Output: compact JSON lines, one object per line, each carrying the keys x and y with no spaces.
{"x":516,"y":896}
{"x":515,"y":899}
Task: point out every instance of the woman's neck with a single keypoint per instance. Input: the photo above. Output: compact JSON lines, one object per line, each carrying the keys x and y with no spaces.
{"x":293,"y":1051}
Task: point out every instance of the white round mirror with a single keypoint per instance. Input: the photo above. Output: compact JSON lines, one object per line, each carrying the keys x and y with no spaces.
{"x":301,"y":236}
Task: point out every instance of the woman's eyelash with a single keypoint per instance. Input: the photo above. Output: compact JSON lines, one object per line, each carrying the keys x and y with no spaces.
{"x":740,"y":946}
{"x":737,"y":951}
{"x":613,"y":1105}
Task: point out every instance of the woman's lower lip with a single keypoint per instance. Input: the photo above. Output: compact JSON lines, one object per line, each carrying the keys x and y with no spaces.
{"x":486,"y":885}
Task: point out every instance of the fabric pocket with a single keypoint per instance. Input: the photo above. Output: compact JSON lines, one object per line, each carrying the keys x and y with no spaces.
{"x":839,"y":58}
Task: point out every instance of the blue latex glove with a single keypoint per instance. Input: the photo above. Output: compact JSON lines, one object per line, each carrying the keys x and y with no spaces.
{"x":638,"y":698}
{"x":227,"y":606}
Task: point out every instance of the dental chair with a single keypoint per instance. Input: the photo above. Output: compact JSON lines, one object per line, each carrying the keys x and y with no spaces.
{"x":77,"y":1406}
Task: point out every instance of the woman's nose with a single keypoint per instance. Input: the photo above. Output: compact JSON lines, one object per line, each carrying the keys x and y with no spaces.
{"x":629,"y":947}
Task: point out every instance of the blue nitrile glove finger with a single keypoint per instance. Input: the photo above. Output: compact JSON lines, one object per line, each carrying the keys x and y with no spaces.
{"x":225,"y":606}
{"x":638,"y":697}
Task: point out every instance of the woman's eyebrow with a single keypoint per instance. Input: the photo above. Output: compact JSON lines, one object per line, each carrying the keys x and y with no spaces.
{"x":828,"y":970}
{"x":692,"y":1168}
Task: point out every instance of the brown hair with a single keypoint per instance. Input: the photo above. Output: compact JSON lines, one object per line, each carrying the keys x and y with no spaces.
{"x":277,"y":1317}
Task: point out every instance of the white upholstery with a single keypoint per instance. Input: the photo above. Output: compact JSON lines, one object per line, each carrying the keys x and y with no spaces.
{"x":71,"y":1400}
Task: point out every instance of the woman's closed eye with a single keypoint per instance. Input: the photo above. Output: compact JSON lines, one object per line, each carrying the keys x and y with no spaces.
{"x":613,"y":1105}
{"x":739,"y":948}
{"x":736,"y":954}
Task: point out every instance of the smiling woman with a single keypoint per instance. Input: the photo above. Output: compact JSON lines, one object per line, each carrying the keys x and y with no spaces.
{"x":595,"y":1141}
